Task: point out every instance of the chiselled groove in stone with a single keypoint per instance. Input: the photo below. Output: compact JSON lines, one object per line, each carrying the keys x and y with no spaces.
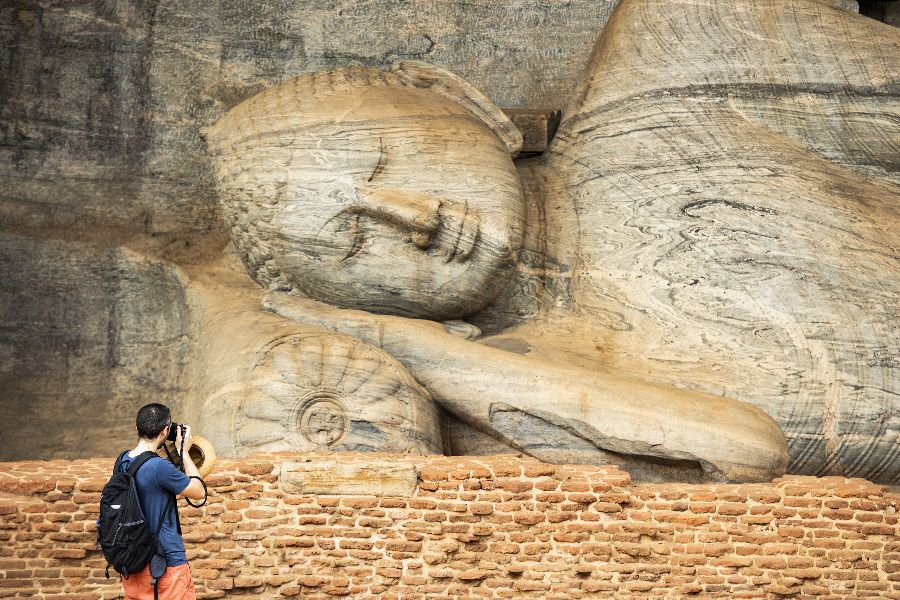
{"x":356,"y":232}
{"x":382,"y":160}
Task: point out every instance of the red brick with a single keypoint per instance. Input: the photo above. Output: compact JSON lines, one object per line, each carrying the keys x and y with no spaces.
{"x":34,"y":485}
{"x":606,"y":507}
{"x":527,"y":585}
{"x":553,"y":497}
{"x":515,"y":485}
{"x":703,"y":497}
{"x":433,"y":473}
{"x":360,"y":502}
{"x":507,"y":470}
{"x":248,"y":581}
{"x":481,"y":508}
{"x":529,"y":518}
{"x":539,"y":470}
{"x":732,"y":508}
{"x":249,"y":467}
{"x":575,"y":486}
{"x":807,"y":573}
{"x":558,"y":517}
{"x":473,"y":574}
{"x":68,"y":553}
{"x":403,"y":546}
{"x":582,"y":498}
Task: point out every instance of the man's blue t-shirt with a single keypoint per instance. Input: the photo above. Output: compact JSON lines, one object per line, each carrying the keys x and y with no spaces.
{"x":156,"y":481}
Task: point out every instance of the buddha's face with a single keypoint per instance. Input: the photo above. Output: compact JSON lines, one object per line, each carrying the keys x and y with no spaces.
{"x":415,"y":215}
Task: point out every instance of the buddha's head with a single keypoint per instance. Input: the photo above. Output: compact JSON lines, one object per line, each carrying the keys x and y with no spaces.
{"x":392,"y":192}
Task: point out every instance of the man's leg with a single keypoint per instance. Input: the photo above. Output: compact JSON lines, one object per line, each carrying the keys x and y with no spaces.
{"x":177,"y":584}
{"x":137,"y":586}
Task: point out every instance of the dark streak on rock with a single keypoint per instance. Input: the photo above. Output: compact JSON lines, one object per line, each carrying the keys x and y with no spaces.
{"x":587,"y":121}
{"x":701,"y":204}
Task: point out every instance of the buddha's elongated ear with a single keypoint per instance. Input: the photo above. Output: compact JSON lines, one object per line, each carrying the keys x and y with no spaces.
{"x":441,"y":81}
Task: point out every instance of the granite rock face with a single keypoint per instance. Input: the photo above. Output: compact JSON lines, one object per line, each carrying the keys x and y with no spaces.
{"x":709,"y":198}
{"x":101,"y":105}
{"x":102,"y":102}
{"x":88,"y":334}
{"x":707,"y":250}
{"x":737,"y":188}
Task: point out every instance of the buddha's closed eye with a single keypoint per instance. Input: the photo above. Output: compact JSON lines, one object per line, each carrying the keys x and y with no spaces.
{"x":357,"y":235}
{"x":382,"y":161}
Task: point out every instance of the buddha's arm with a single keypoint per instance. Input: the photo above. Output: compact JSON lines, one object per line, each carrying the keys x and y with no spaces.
{"x":621,"y":416}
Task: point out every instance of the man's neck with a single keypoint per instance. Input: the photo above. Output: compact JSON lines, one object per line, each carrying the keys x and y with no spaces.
{"x":144,"y":446}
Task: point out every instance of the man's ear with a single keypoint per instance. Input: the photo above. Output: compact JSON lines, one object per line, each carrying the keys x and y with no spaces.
{"x":442,"y":81}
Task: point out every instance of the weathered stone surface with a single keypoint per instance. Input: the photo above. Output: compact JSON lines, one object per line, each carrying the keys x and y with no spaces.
{"x":363,"y":478}
{"x":259,"y":382}
{"x":333,"y":180}
{"x":564,"y":413}
{"x":748,"y":200}
{"x":102,"y":102}
{"x":714,"y":215}
{"x":86,"y":334}
{"x":730,"y":241}
{"x":100,"y":109}
{"x":537,"y":127}
{"x":393,"y":191}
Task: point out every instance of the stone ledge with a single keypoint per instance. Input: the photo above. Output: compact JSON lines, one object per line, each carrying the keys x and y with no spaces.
{"x":329,"y":477}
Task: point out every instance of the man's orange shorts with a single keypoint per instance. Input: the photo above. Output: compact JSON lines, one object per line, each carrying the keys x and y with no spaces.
{"x":176,"y":584}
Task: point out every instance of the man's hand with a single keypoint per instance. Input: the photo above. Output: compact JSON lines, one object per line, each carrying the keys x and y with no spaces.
{"x":194,"y":489}
{"x":188,"y":438}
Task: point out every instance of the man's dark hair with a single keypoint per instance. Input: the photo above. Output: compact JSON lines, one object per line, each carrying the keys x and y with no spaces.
{"x":152,"y":419}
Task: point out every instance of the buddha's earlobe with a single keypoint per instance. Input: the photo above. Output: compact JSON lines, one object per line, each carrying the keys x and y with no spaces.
{"x":449,"y":85}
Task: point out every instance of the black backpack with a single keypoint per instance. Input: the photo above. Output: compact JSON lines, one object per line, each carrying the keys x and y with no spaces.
{"x":123,"y":534}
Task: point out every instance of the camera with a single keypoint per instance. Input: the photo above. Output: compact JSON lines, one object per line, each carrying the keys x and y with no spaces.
{"x":174,"y":428}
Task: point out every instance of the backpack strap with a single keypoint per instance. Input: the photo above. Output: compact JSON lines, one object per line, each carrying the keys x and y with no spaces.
{"x":162,"y":517}
{"x":177,"y":518}
{"x":139,"y":461}
{"x":154,"y":577}
{"x":118,"y":466}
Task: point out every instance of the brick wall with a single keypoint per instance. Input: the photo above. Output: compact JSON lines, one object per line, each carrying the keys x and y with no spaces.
{"x":471,"y":528}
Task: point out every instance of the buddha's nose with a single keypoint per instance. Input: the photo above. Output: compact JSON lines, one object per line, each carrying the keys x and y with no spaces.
{"x":415,"y":213}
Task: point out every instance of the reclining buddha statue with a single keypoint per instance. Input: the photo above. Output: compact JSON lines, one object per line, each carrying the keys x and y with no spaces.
{"x":697,"y":280}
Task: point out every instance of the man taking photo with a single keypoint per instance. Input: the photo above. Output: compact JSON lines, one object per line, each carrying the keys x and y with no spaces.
{"x":158,"y":484}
